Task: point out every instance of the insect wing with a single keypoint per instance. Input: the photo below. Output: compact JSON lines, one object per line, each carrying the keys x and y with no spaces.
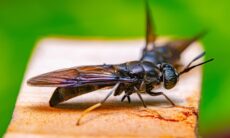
{"x":181,"y":45}
{"x":78,"y":76}
{"x":150,"y":29}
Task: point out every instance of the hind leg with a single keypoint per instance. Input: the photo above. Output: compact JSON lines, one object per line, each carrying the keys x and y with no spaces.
{"x":97,"y":105}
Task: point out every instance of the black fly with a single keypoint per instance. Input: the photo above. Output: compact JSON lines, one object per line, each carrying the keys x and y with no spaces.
{"x":156,"y":67}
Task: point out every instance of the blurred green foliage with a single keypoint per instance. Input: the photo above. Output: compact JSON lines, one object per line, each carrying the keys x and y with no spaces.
{"x":24,"y":22}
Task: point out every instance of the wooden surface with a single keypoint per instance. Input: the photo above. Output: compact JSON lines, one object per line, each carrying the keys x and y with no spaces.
{"x":34,"y":118}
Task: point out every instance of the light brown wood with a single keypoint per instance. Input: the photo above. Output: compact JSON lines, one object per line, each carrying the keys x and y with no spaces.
{"x":34,"y":118}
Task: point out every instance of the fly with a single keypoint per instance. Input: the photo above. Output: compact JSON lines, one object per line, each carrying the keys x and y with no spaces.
{"x":128,"y":78}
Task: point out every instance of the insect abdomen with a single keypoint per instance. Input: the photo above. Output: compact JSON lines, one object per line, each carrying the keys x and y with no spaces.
{"x":62,"y":94}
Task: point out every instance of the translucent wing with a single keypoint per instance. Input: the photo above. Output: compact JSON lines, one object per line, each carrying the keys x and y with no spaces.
{"x":181,"y":45}
{"x":150,"y":35}
{"x":79,"y":76}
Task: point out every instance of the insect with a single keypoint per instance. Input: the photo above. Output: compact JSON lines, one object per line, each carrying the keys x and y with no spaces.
{"x":138,"y":77}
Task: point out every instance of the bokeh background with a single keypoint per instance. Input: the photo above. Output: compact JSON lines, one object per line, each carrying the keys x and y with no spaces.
{"x":23,"y":23}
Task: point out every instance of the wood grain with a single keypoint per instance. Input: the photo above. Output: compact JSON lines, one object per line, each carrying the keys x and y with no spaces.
{"x":34,"y":118}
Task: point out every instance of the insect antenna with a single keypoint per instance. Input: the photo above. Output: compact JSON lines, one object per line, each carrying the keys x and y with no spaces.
{"x":189,"y":67}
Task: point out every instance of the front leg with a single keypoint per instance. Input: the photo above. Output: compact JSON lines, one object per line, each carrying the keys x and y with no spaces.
{"x":160,"y":93}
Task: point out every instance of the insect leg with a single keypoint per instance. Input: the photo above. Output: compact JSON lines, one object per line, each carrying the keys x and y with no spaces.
{"x":123,"y":98}
{"x":129,"y":99}
{"x":140,"y":97}
{"x":161,"y":93}
{"x":96,"y":105}
{"x":126,"y":96}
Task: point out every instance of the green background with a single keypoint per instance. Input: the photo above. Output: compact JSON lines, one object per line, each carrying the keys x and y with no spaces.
{"x":22,"y":23}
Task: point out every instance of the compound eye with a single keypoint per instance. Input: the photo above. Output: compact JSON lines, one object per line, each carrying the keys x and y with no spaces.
{"x":170,"y":77}
{"x":169,"y":84}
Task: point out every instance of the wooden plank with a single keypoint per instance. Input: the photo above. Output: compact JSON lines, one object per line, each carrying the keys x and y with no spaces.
{"x":34,"y":118}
